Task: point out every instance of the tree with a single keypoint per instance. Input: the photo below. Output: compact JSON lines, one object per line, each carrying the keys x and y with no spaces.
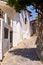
{"x":38,"y":17}
{"x":21,"y":4}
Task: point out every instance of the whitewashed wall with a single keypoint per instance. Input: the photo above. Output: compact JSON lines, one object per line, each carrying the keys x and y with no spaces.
{"x":16,"y":29}
{"x":20,"y":29}
{"x":1,"y":54}
{"x":4,"y":43}
{"x":26,"y":30}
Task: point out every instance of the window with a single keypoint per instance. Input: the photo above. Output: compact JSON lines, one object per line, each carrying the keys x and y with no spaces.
{"x":25,"y":20}
{"x":11,"y":36}
{"x":5,"y":33}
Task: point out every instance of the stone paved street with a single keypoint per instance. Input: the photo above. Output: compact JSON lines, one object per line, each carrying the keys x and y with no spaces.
{"x":23,"y":54}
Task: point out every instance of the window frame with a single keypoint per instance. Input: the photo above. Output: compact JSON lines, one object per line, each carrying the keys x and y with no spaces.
{"x":5,"y":33}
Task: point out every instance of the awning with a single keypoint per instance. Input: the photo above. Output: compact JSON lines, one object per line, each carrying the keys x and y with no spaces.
{"x":7,"y":9}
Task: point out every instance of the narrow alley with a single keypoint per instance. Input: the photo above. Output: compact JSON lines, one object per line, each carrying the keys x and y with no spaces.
{"x":23,"y":54}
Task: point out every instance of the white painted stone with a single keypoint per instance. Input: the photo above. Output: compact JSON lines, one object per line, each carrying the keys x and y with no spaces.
{"x":18,"y":32}
{"x":11,"y":23}
{"x":20,"y":29}
{"x":1,"y":54}
{"x":14,"y":33}
{"x":5,"y":17}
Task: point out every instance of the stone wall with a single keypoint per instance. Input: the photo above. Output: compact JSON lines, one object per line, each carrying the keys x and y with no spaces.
{"x":39,"y":42}
{"x":33,"y":26}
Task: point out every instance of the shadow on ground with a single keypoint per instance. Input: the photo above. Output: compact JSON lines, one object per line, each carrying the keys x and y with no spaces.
{"x":29,"y":53}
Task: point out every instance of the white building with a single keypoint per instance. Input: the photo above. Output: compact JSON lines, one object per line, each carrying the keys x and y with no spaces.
{"x":14,"y":27}
{"x":21,"y":26}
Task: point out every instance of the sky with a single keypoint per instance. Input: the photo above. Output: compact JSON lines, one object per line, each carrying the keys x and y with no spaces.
{"x":30,"y":8}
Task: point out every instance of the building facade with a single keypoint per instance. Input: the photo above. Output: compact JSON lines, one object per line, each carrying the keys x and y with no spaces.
{"x":14,"y":27}
{"x":21,"y":27}
{"x":5,"y":34}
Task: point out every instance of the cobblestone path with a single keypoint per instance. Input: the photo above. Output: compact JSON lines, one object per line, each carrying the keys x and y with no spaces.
{"x":23,"y":54}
